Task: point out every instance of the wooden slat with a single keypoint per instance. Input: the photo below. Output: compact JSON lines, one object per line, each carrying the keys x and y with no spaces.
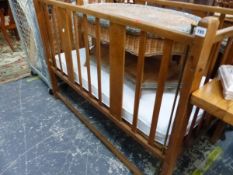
{"x":50,"y":35}
{"x":228,"y":53}
{"x":98,"y":57}
{"x":212,"y":61}
{"x":64,"y":23}
{"x":117,"y":61}
{"x":182,"y":63}
{"x":182,"y":67}
{"x":215,"y":50}
{"x":77,"y":46}
{"x":69,"y":45}
{"x":139,"y":77}
{"x":210,"y":98}
{"x":57,"y":39}
{"x":223,"y":33}
{"x":167,"y":49}
{"x":86,"y":43}
{"x":221,"y":20}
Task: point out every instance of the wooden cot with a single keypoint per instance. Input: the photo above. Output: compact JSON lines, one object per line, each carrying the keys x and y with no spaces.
{"x":201,"y":48}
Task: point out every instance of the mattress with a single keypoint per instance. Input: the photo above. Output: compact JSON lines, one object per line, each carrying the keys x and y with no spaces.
{"x":152,"y":15}
{"x":146,"y":101}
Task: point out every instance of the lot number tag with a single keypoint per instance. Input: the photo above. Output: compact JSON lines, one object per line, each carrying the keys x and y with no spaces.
{"x":200,"y":31}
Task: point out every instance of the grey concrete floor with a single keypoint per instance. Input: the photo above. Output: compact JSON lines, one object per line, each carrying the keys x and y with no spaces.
{"x":39,"y":135}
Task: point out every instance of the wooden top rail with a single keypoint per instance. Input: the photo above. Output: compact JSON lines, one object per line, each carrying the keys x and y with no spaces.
{"x":223,"y":33}
{"x":191,"y":6}
{"x":145,"y":26}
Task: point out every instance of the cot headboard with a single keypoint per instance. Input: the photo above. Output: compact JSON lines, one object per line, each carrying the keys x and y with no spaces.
{"x":67,"y":24}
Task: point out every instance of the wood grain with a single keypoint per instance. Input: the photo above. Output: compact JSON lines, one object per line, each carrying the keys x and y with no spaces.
{"x":210,"y":98}
{"x":223,"y":33}
{"x":159,"y":91}
{"x":98,"y":58}
{"x":57,"y":38}
{"x":228,"y":52}
{"x":64,"y":25}
{"x":117,"y":64}
{"x":139,"y":78}
{"x":86,"y":44}
{"x":77,"y":47}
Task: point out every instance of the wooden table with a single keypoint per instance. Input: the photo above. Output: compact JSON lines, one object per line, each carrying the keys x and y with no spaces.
{"x":210,"y":98}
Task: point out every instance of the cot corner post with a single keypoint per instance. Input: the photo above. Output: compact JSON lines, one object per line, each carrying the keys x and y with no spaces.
{"x":40,"y":15}
{"x":194,"y":70}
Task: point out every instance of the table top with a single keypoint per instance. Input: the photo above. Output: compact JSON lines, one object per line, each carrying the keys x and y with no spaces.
{"x":210,"y":98}
{"x":167,"y":18}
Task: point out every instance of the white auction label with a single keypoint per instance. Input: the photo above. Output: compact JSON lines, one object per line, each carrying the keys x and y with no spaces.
{"x":200,"y":31}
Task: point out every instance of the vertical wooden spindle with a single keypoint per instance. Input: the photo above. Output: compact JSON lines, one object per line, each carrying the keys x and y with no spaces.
{"x":228,"y":53}
{"x":64,"y":23}
{"x":77,"y":46}
{"x":139,"y":77}
{"x":50,"y":33}
{"x":167,"y":49}
{"x":117,"y":61}
{"x":86,"y":43}
{"x":98,"y":58}
{"x":57,"y":39}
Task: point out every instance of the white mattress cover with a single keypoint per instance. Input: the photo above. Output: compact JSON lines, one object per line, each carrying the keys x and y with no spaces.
{"x":146,"y":101}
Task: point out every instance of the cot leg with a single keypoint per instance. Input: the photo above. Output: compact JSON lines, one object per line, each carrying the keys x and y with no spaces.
{"x":50,"y":91}
{"x":176,"y":141}
{"x":171,"y":156}
{"x":33,"y":73}
{"x":54,"y":84}
{"x":168,"y":166}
